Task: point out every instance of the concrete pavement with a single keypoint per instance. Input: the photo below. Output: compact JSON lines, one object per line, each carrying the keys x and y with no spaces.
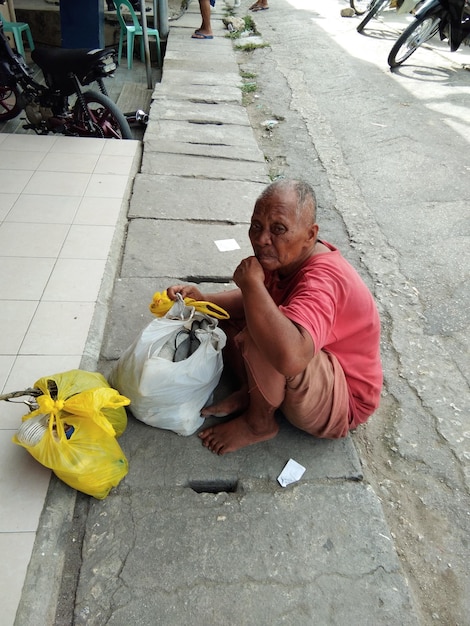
{"x":189,"y":537}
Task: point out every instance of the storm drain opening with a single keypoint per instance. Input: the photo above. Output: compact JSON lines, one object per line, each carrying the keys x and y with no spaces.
{"x":214,"y":486}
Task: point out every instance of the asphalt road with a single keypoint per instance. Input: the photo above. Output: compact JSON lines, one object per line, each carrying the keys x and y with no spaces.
{"x":388,"y":154}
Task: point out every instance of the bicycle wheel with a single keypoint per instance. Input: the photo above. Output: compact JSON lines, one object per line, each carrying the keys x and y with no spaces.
{"x":359,"y":6}
{"x":417,"y":33}
{"x":108,"y":121}
{"x":9,"y":105}
{"x":377,"y":5}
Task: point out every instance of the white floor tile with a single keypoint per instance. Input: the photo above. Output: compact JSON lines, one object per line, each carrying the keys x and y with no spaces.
{"x":60,"y":162}
{"x":6,"y":365}
{"x":87,"y":242}
{"x":32,"y":240}
{"x":80,"y":145}
{"x":75,"y":280}
{"x":15,"y":318}
{"x":24,"y":278}
{"x":14,"y":181}
{"x":107,"y":186}
{"x":28,"y":369}
{"x":20,"y":160}
{"x":15,"y":549}
{"x":7,"y":200}
{"x":121,"y":148}
{"x":99,"y":211}
{"x":44,"y":209}
{"x":57,"y":183}
{"x":59,"y":328}
{"x":29,"y":143}
{"x":23,"y":484}
{"x":110,"y":164}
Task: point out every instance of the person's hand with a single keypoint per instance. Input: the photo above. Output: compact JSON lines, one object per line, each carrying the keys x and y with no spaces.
{"x":250,"y":270}
{"x":186,"y":291}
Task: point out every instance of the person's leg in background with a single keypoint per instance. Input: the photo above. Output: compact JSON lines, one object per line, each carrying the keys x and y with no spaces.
{"x":259,"y":5}
{"x":205,"y":30}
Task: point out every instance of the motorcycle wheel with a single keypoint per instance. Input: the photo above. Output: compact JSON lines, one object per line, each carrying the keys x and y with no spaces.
{"x":9,"y":106}
{"x":376,"y":6}
{"x":417,"y":33}
{"x":108,"y":121}
{"x":360,"y":6}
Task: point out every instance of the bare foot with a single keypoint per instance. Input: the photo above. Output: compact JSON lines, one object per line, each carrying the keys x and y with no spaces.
{"x":234,"y":403}
{"x":237,"y":433}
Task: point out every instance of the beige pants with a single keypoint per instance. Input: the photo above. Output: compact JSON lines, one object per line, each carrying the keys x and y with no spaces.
{"x":316,"y":401}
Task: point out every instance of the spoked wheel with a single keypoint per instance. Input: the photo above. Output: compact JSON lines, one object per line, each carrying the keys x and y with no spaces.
{"x":360,"y":6}
{"x":108,"y":121}
{"x":376,"y":6}
{"x":417,"y":33}
{"x":9,"y":105}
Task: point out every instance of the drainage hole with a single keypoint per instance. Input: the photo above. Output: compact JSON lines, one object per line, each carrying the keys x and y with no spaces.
{"x":214,"y":486}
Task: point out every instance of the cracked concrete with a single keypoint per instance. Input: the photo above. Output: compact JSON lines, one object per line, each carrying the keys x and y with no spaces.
{"x":163,"y":548}
{"x":156,"y":550}
{"x":206,"y":573}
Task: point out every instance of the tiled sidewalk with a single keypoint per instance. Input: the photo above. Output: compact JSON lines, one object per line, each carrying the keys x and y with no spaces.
{"x":61,"y":200}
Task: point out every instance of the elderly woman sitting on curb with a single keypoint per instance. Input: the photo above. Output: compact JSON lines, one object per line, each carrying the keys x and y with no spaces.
{"x":303,"y":334}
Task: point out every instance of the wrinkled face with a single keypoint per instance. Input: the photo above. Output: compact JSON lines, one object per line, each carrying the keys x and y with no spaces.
{"x":281,"y":240}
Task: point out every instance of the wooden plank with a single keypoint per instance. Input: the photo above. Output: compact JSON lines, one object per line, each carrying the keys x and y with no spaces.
{"x":134,"y":96}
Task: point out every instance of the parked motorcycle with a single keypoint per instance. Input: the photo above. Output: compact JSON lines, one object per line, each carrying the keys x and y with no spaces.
{"x":50,"y":108}
{"x":375,"y":7}
{"x":449,"y":18}
{"x":360,"y":6}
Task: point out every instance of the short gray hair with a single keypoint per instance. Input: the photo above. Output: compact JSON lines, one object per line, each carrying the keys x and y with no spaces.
{"x":303,"y":190}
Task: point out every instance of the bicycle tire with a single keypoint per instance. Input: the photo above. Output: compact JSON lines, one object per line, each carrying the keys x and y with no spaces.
{"x":418,"y":32}
{"x":108,"y":121}
{"x":359,"y":6}
{"x":9,"y":103}
{"x":377,"y":5}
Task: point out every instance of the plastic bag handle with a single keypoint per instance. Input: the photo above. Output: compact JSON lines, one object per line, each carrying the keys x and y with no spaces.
{"x":77,"y":406}
{"x":48,"y":406}
{"x":209,"y":308}
{"x":161,"y":304}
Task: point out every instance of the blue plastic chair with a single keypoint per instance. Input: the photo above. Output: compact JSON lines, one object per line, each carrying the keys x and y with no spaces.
{"x":129,"y":32}
{"x":17,"y":29}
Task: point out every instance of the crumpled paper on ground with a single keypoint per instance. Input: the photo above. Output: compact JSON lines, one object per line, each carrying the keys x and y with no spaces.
{"x":291,"y":473}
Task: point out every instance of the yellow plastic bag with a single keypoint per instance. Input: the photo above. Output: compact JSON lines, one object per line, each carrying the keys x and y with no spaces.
{"x":73,"y":431}
{"x":161,"y":304}
{"x":64,"y":386}
{"x":90,"y":461}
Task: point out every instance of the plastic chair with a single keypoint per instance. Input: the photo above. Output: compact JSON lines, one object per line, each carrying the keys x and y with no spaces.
{"x":17,"y":29}
{"x":131,"y":31}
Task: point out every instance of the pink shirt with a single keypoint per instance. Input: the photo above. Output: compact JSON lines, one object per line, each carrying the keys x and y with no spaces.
{"x":328,"y":298}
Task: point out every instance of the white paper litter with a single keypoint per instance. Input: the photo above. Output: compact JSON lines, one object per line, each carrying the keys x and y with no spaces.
{"x":291,"y":473}
{"x":225,"y":245}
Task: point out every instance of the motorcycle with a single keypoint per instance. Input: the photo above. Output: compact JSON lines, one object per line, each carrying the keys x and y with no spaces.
{"x":449,"y":18}
{"x":49,"y":108}
{"x":377,"y":6}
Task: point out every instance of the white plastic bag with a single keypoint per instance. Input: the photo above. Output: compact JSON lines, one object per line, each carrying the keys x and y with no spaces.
{"x":168,"y":394}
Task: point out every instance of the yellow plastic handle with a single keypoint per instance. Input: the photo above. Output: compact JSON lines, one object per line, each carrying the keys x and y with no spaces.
{"x":161,"y":304}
